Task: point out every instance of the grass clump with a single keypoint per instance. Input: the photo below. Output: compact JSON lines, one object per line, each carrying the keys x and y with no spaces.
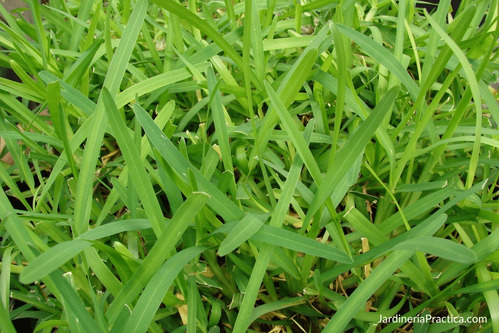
{"x":249,"y":166}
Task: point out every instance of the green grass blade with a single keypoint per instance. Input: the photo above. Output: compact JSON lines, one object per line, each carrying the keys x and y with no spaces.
{"x":220,"y":123}
{"x":353,"y":101}
{"x":443,"y":248}
{"x":162,"y":249}
{"x":71,"y":94}
{"x":491,"y":296}
{"x":383,"y":56}
{"x":138,"y":174}
{"x":17,"y":155}
{"x":99,"y":122}
{"x":359,"y":297}
{"x":5,"y":322}
{"x":59,"y":121}
{"x":150,"y":84}
{"x":153,"y":294}
{"x":288,"y":89}
{"x":114,"y":228}
{"x":78,"y":69}
{"x":295,"y":135}
{"x":286,"y":42}
{"x":5,"y":277}
{"x":243,"y":230}
{"x":257,"y":45}
{"x":56,"y":282}
{"x":51,"y":260}
{"x":219,"y":201}
{"x":350,"y":152}
{"x":424,"y":229}
{"x":244,"y":315}
{"x":469,"y":73}
{"x":274,"y":306}
{"x":293,"y":241}
{"x":204,"y":27}
{"x":161,"y":120}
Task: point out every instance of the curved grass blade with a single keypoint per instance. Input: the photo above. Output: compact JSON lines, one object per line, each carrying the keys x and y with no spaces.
{"x":138,"y":174}
{"x":155,"y":291}
{"x":472,"y":81}
{"x":483,"y":249}
{"x":440,"y":247}
{"x":244,"y":315}
{"x":383,"y":56}
{"x":51,"y":260}
{"x":243,"y":230}
{"x":491,"y":296}
{"x":424,"y":229}
{"x":156,"y":82}
{"x":59,"y":120}
{"x":287,"y":91}
{"x":162,"y":249}
{"x":5,"y":322}
{"x":161,"y":120}
{"x":218,"y":200}
{"x":275,"y":306}
{"x":203,"y":26}
{"x":364,"y":290}
{"x":331,"y":83}
{"x":71,"y":94}
{"x":295,"y":135}
{"x":220,"y":125}
{"x":281,"y":258}
{"x":112,"y":81}
{"x":293,"y":241}
{"x":80,"y":66}
{"x":55,"y":282}
{"x":350,"y":152}
{"x":114,"y":228}
{"x":5,"y":277}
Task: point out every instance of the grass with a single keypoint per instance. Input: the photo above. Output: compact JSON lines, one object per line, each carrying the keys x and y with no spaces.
{"x":252,"y":166}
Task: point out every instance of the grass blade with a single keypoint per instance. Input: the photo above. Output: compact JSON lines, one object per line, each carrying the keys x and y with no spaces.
{"x":243,"y":230}
{"x":51,"y":260}
{"x":220,"y":202}
{"x":244,"y":315}
{"x":350,"y":152}
{"x":153,"y":294}
{"x":358,"y":298}
{"x":55,"y":282}
{"x":383,"y":56}
{"x":99,"y":121}
{"x":162,"y":249}
{"x":114,"y":228}
{"x":295,"y":135}
{"x":443,"y":248}
{"x":293,"y":241}
{"x":138,"y":174}
{"x":469,"y":73}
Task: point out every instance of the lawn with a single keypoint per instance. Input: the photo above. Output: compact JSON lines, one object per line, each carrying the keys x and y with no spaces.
{"x":249,"y":166}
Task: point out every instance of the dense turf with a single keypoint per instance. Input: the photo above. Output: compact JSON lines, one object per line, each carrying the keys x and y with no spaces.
{"x":257,"y":166}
